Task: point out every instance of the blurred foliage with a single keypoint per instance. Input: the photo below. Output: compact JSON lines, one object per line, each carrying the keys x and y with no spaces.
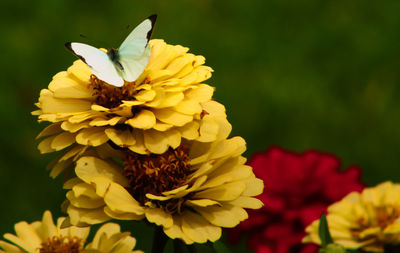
{"x":298,"y":74}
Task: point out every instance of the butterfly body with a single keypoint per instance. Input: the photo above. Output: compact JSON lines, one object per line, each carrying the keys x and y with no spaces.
{"x":114,"y":57}
{"x":119,"y":65}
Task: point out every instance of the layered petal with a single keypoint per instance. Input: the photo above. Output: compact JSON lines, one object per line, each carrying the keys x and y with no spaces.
{"x":192,"y":191}
{"x":365,"y":221}
{"x":45,"y":236}
{"x":167,"y":103}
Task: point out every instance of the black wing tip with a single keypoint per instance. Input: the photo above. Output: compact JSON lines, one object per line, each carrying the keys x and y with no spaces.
{"x":68,"y":45}
{"x":153,"y":19}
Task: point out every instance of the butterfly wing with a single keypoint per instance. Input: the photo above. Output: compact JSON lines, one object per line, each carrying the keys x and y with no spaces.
{"x":134,"y":52}
{"x":133,"y":68}
{"x":98,"y":61}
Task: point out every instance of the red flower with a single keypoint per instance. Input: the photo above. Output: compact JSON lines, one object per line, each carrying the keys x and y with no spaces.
{"x":297,"y":189}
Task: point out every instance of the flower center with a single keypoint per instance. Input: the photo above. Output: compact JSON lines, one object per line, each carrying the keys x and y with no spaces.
{"x":110,"y":96}
{"x":385,"y":216}
{"x":155,"y":174}
{"x":62,"y":244}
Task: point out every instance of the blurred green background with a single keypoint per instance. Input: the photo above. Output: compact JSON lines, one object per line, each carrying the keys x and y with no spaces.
{"x":298,"y":74}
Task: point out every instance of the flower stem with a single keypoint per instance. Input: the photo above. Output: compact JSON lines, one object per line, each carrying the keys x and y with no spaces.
{"x":391,"y":248}
{"x":159,"y":240}
{"x":178,"y":246}
{"x":191,"y":248}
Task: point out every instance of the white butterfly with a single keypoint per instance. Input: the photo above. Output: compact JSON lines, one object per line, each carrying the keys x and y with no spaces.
{"x":117,"y":65}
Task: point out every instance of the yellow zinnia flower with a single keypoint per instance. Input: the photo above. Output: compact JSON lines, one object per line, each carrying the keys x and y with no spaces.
{"x":164,"y":105}
{"x":368,"y":220}
{"x":215,"y":120}
{"x":191,"y":191}
{"x":46,"y":237}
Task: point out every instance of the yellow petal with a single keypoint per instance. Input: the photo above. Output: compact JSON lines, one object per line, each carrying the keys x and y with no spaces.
{"x":80,"y":71}
{"x":203,"y":73}
{"x":25,"y":245}
{"x":372,"y":231}
{"x":131,"y":103}
{"x":208,"y":129}
{"x":62,"y":141}
{"x":45,"y":145}
{"x":105,"y":121}
{"x":392,"y":228}
{"x":159,"y":126}
{"x":82,"y":116}
{"x":172,"y":117}
{"x":202,"y":93}
{"x":175,"y":231}
{"x":199,"y":60}
{"x":73,"y":151}
{"x":80,"y":232}
{"x":119,"y":200}
{"x":165,"y":57}
{"x":122,"y":216}
{"x":26,"y":233}
{"x":201,"y":202}
{"x":9,"y":248}
{"x":86,"y":216}
{"x":190,"y":131}
{"x":224,"y":192}
{"x":123,"y":138}
{"x":139,"y":146}
{"x":93,"y":136}
{"x":66,"y":87}
{"x":58,"y":167}
{"x":171,"y":99}
{"x":145,"y":119}
{"x":156,"y":197}
{"x":158,"y":99}
{"x":228,"y":147}
{"x":107,"y":229}
{"x":49,"y":229}
{"x":71,"y":183}
{"x":156,"y":142}
{"x":227,"y":173}
{"x":101,"y":185}
{"x":159,"y":217}
{"x":50,"y":104}
{"x":84,"y":201}
{"x":89,"y":167}
{"x":223,"y":216}
{"x":99,"y":108}
{"x":254,"y":187}
{"x":179,"y":63}
{"x":247,"y":202}
{"x":145,"y":95}
{"x":214,"y":108}
{"x":176,"y":190}
{"x":174,"y":138}
{"x":50,"y":130}
{"x":73,"y":127}
{"x":199,"y":229}
{"x":188,"y":106}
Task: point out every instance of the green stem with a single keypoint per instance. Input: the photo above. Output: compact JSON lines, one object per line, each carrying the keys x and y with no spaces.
{"x":391,"y":248}
{"x":191,"y":248}
{"x":178,"y":246}
{"x":159,"y":240}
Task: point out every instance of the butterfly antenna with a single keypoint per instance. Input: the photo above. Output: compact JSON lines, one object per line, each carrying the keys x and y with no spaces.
{"x":91,"y":41}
